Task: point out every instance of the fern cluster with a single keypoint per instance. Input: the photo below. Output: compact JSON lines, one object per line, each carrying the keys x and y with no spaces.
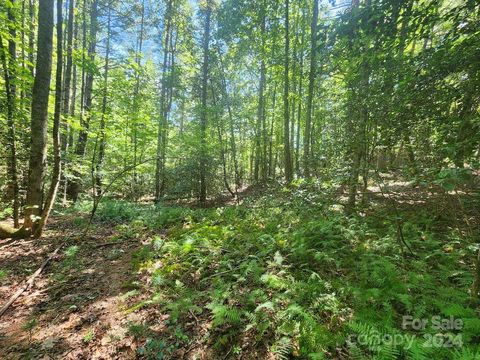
{"x":288,"y":273}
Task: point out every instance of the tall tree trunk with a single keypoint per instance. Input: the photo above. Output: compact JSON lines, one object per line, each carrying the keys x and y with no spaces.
{"x":71,"y":113}
{"x":311,"y":83}
{"x":66,"y":93}
{"x":31,"y":36}
{"x":52,"y":192}
{"x":39,"y":116}
{"x":286,"y":111}
{"x":358,"y":154}
{"x":23,"y":54}
{"x":204,"y":110}
{"x":73,"y":184}
{"x":73,"y":98}
{"x":89,"y":77}
{"x":85,"y":114}
{"x":261,"y":101}
{"x":271,"y":166}
{"x":11,"y":94}
{"x":101,"y":148}
{"x":11,"y":137}
{"x":295,"y":79}
{"x":220,"y":129}
{"x":299,"y":113}
{"x":360,"y":122}
{"x":163,"y":121}
{"x":233,"y":144}
{"x":135,"y":98}
{"x":68,"y":72}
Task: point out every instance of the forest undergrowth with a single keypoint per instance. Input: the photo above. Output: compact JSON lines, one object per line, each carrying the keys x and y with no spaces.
{"x":286,"y":275}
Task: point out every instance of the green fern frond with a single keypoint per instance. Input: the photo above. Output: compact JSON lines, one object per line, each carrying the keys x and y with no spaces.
{"x":282,"y":348}
{"x":465,"y":354}
{"x":223,"y":314}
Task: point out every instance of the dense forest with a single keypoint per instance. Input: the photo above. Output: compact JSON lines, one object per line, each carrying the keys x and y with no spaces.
{"x":240,"y":179}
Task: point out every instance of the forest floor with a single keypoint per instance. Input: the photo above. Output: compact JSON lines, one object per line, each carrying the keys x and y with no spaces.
{"x":75,"y":309}
{"x":280,"y":275}
{"x":79,"y":306}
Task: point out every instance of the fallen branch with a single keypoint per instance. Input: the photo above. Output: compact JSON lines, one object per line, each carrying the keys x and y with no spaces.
{"x":7,"y":243}
{"x":13,"y":242}
{"x":29,"y":283}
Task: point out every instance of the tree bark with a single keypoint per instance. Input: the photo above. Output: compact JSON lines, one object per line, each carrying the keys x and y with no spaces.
{"x":359,"y":118}
{"x":311,"y":83}
{"x":31,"y":36}
{"x":136,"y":100}
{"x":299,"y":112}
{"x":39,"y":115}
{"x":286,"y":111}
{"x":57,"y":166}
{"x":220,"y":129}
{"x":10,"y":91}
{"x":233,"y":144}
{"x":101,"y":149}
{"x":163,"y":121}
{"x":85,"y":114}
{"x":203,"y":115}
{"x":67,"y":84}
{"x":261,"y":101}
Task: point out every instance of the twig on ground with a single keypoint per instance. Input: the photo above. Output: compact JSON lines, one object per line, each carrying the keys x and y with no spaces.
{"x":29,"y":283}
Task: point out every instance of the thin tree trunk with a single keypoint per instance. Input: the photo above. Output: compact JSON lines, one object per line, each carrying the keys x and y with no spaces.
{"x":286,"y":111}
{"x":31,"y":36}
{"x":299,"y":109}
{"x":295,"y":79}
{"x":261,"y":101}
{"x":163,"y":121}
{"x":271,"y":166}
{"x":85,"y":114}
{"x":101,"y":149}
{"x":73,"y":185}
{"x":135,"y":98}
{"x":222,"y":147}
{"x":10,"y":92}
{"x":359,"y":136}
{"x":66,"y":93}
{"x":89,"y":77}
{"x":311,"y":83}
{"x":203,"y":116}
{"x":68,"y":72}
{"x":71,"y":113}
{"x":73,"y":99}
{"x":24,"y":65}
{"x":233,"y":144}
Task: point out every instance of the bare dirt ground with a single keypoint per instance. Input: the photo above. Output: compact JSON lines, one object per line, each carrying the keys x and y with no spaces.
{"x":78,"y":307}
